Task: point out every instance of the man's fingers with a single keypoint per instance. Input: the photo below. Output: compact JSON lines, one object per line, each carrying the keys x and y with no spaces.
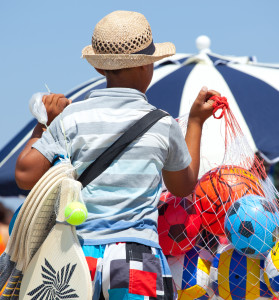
{"x":210,"y":102}
{"x":201,"y":98}
{"x":55,"y":104}
{"x":62,"y":103}
{"x":211,"y":93}
{"x":47,"y":100}
{"x":57,"y":98}
{"x":204,"y":96}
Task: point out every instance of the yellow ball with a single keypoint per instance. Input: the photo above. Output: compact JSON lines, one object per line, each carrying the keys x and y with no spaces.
{"x":271,"y":270}
{"x":75,"y":213}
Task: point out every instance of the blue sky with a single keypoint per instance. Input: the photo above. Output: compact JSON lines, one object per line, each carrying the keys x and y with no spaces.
{"x":41,"y":41}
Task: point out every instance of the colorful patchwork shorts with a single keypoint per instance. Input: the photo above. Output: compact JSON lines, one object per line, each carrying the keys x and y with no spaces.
{"x":129,"y":271}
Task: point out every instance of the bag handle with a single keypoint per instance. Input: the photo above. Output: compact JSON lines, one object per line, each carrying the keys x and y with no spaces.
{"x":107,"y":157}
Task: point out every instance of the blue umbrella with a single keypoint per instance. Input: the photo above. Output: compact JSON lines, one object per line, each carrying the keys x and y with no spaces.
{"x":252,"y":90}
{"x":9,"y":154}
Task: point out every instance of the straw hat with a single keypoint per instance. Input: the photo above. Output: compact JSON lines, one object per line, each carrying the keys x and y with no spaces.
{"x":123,"y":39}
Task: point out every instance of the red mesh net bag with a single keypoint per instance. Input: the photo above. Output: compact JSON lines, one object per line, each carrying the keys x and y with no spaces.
{"x":221,"y":241}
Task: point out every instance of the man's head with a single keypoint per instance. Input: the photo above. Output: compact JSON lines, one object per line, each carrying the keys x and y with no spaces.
{"x":122,"y":40}
{"x":137,"y":78}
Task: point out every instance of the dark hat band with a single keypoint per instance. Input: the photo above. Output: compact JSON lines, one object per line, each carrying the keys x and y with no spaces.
{"x":149,"y":50}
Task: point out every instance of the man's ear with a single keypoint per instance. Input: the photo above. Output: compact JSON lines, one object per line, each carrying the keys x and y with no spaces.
{"x":102,"y":72}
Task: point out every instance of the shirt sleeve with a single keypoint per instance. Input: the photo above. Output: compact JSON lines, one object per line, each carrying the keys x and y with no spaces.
{"x":178,"y":156}
{"x":52,"y":141}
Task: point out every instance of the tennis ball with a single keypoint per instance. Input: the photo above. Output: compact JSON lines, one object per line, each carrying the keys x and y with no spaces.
{"x":75,"y":213}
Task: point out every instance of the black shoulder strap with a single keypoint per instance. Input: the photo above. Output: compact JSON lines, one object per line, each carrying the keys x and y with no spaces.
{"x":107,"y":157}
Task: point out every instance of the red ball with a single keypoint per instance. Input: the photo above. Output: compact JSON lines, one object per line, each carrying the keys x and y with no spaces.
{"x":178,"y":224}
{"x":218,"y":189}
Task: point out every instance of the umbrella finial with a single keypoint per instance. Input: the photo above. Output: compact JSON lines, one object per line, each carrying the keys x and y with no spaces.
{"x":203,"y":43}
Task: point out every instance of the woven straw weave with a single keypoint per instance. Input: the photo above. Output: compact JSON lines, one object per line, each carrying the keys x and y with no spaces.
{"x":118,"y":37}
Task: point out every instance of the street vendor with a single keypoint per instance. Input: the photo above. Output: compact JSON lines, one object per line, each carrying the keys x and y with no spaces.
{"x":120,"y":234}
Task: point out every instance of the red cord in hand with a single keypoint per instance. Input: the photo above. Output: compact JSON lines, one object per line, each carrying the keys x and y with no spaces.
{"x":220,"y":103}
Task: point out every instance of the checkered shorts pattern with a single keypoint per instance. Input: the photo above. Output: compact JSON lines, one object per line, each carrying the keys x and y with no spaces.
{"x":129,"y":271}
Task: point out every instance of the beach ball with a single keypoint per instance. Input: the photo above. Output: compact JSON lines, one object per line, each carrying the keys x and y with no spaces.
{"x":251,"y":225}
{"x":235,"y":277}
{"x":190,"y":273}
{"x":271,"y":271}
{"x":178,"y":224}
{"x":218,"y":189}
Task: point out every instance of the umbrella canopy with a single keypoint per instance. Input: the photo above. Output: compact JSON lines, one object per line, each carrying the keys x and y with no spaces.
{"x":252,"y":90}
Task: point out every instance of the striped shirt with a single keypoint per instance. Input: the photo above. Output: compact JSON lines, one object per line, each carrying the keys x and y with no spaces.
{"x":122,"y":201}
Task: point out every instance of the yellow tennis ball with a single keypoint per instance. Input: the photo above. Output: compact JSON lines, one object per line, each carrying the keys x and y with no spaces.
{"x":75,"y":213}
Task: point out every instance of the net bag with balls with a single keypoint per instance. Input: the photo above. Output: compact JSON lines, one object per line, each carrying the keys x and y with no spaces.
{"x":238,"y":222}
{"x":241,"y":174}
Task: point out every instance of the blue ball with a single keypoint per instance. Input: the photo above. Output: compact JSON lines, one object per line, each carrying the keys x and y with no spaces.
{"x":251,"y":224}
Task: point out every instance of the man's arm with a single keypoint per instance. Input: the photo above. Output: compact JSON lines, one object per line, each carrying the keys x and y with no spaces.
{"x":31,"y":165}
{"x":181,"y":183}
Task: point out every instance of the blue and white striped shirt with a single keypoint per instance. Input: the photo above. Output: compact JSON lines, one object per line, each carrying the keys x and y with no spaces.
{"x":122,"y":201}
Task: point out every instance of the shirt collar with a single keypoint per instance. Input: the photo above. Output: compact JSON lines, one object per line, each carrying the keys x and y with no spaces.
{"x":118,"y":92}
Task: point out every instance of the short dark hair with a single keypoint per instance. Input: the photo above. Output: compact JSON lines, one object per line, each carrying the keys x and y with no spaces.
{"x":114,"y":72}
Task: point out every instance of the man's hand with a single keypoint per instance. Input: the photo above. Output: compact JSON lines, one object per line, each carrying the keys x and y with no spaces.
{"x":55,"y":104}
{"x":202,"y":108}
{"x":181,"y":183}
{"x":31,"y":164}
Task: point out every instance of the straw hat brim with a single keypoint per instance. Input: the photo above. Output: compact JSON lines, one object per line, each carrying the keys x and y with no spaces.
{"x":122,"y":61}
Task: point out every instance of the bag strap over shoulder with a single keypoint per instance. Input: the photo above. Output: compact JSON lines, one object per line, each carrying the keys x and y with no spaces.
{"x":107,"y":157}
